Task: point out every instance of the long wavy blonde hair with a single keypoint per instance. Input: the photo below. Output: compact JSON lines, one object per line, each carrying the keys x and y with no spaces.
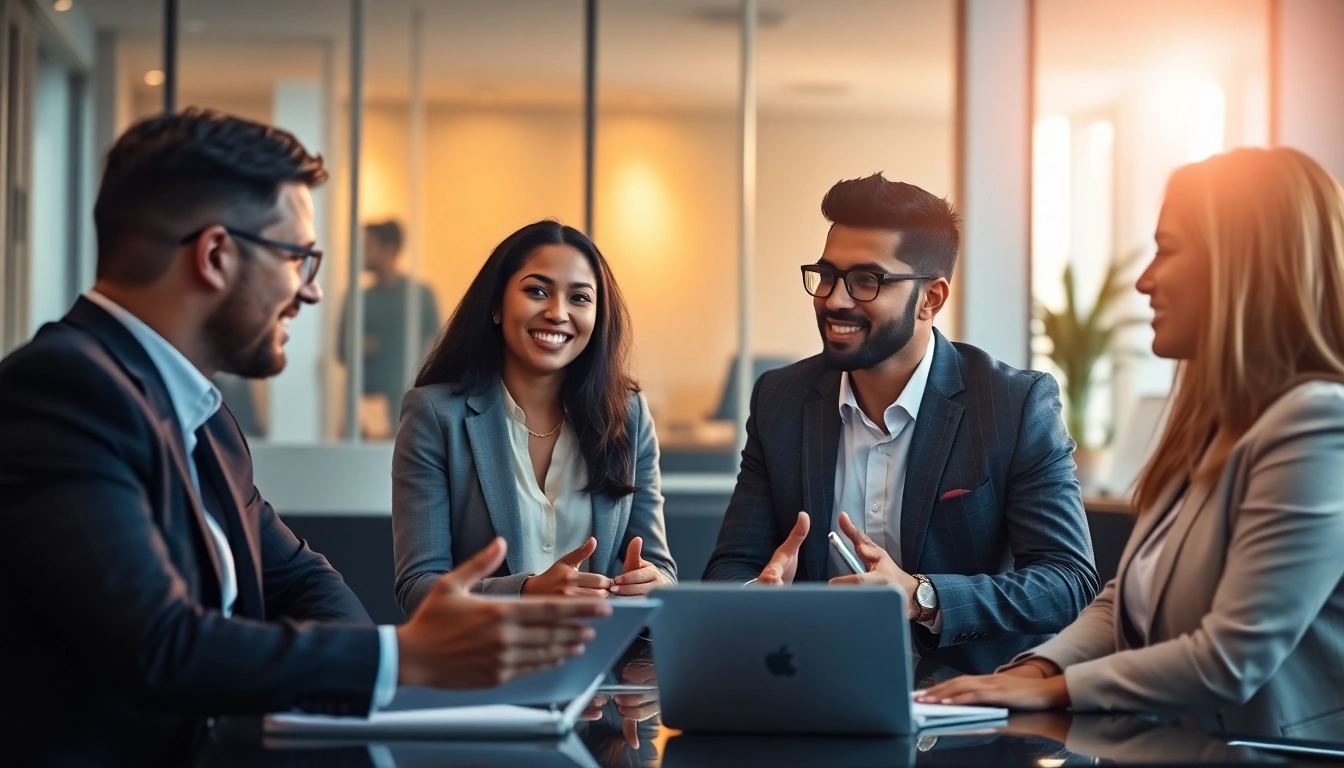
{"x":1272,"y":224}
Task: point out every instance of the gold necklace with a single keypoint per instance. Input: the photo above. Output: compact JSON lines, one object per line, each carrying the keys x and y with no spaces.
{"x":548,"y":434}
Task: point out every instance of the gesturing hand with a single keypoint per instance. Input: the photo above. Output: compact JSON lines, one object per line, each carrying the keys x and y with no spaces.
{"x":457,"y":641}
{"x":783,"y":566}
{"x":881,"y":569}
{"x":640,"y":576}
{"x":565,"y":578}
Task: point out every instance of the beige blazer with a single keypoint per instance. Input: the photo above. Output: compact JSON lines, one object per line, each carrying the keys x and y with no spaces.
{"x":1247,"y":624}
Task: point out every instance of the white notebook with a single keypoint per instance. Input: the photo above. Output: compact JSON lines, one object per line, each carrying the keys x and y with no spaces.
{"x":928,"y":716}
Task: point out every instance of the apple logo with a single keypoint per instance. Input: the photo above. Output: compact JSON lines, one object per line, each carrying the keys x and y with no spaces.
{"x":780,"y":663}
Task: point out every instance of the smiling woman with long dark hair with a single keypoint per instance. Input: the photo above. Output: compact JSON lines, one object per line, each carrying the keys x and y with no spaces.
{"x":525,"y":423}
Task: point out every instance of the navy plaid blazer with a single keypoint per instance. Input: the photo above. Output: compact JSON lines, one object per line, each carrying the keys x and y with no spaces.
{"x":1011,"y":559}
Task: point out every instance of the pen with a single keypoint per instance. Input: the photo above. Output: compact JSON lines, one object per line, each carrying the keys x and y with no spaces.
{"x":845,"y":554}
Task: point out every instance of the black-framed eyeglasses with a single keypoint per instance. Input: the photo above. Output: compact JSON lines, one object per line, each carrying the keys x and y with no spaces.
{"x":309,"y":258}
{"x":863,"y":284}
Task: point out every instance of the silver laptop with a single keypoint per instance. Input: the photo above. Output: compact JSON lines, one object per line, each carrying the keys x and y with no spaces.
{"x":803,"y":659}
{"x":508,"y":711}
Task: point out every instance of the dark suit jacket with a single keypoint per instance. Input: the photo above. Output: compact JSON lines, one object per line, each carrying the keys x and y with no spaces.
{"x":1011,"y":560}
{"x":111,"y":639}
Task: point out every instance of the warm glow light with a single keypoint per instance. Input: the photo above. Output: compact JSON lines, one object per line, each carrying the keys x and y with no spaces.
{"x":640,"y":203}
{"x":61,"y":6}
{"x":1051,"y":205}
{"x":1205,"y":116}
{"x":154,"y":77}
{"x":1050,"y":762}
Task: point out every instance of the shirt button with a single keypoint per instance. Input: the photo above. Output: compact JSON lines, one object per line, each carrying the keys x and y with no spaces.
{"x":877,"y":508}
{"x":881,"y":449}
{"x":545,"y":547}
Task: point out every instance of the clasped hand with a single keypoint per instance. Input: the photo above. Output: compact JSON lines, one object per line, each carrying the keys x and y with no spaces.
{"x":639,"y":576}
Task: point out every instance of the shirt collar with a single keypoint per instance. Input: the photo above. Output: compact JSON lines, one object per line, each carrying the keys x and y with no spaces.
{"x":909,"y":400}
{"x":511,"y":407}
{"x":195,"y":399}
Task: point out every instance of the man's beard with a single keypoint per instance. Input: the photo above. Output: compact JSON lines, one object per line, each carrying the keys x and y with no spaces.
{"x":882,"y":343}
{"x":242,"y":334}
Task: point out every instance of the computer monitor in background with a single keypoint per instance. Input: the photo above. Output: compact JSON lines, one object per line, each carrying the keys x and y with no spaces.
{"x":759,"y":365}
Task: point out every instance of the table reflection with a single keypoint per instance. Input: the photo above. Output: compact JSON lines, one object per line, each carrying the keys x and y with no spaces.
{"x":623,"y":728}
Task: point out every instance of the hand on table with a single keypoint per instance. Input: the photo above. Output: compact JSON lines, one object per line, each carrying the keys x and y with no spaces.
{"x":565,"y":579}
{"x":456,"y":640}
{"x":1013,"y":690}
{"x":640,"y":577}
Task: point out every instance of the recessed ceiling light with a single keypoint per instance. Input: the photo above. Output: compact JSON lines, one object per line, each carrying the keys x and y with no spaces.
{"x":154,"y":77}
{"x":61,"y":6}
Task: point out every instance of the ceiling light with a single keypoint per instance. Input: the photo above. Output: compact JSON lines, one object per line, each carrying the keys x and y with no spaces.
{"x":61,"y":6}
{"x":154,"y":77}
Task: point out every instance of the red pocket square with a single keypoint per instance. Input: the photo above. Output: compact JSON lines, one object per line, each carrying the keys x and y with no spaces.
{"x":953,"y":494}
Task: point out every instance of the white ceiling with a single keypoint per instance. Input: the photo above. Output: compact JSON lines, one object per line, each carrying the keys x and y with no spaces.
{"x":887,"y":55}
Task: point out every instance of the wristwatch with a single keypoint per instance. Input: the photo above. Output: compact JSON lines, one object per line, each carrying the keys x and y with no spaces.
{"x":925,"y":599}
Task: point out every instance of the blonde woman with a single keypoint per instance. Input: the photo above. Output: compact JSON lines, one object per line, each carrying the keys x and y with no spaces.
{"x":1228,"y":602}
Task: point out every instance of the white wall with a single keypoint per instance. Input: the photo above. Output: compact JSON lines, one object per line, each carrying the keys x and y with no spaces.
{"x":1310,"y":80}
{"x":52,"y":266}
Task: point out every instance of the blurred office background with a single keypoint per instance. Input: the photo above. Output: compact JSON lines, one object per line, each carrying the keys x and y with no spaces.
{"x":694,"y":140}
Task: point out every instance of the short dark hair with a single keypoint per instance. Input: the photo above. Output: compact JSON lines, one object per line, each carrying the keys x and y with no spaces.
{"x":386,"y":232}
{"x":929,"y":225}
{"x":170,"y":174}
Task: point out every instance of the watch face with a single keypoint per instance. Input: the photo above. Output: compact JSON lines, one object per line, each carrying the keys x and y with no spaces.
{"x":925,"y":595}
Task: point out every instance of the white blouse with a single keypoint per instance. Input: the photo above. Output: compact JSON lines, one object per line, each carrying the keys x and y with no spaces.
{"x":1139,"y":576}
{"x":559,"y":519}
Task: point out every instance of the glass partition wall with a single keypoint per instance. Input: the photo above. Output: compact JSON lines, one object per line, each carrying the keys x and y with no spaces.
{"x":479,"y":117}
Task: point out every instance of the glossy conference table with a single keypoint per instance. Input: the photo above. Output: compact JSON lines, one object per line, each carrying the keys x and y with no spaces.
{"x":626,"y":731}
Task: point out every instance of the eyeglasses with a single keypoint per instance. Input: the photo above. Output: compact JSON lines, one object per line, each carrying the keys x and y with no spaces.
{"x":309,"y":258}
{"x":863,"y":284}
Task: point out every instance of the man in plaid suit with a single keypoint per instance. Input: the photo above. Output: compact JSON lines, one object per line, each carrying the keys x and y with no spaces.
{"x":951,"y":473}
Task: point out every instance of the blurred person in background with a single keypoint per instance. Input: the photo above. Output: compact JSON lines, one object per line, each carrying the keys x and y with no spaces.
{"x":387,"y":366}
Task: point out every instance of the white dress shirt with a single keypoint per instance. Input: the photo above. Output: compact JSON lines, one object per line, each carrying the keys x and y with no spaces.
{"x":558,"y":519}
{"x":870,"y":467}
{"x":1139,"y":576}
{"x":195,"y":399}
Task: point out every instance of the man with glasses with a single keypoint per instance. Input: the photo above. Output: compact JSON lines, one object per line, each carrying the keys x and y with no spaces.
{"x":145,"y":585}
{"x":951,"y":473}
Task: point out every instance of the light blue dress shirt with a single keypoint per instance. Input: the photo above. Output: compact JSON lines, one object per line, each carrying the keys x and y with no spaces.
{"x":870,"y":467}
{"x":195,"y":400}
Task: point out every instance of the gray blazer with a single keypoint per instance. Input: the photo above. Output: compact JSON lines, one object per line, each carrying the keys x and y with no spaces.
{"x":453,"y":491}
{"x":1247,"y":627}
{"x":1010,"y":557}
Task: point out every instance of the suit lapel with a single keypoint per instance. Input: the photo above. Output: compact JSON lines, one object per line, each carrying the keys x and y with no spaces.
{"x":487,"y":432}
{"x":1143,"y":526}
{"x":930,"y":449}
{"x":243,"y":540}
{"x":1195,"y":501}
{"x":606,"y":521}
{"x":821,"y":445}
{"x":124,"y":347}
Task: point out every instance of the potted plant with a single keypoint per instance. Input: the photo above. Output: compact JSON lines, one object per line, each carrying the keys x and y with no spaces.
{"x":1079,"y":339}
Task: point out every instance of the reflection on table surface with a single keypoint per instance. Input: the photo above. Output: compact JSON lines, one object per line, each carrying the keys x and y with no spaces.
{"x":623,"y":729}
